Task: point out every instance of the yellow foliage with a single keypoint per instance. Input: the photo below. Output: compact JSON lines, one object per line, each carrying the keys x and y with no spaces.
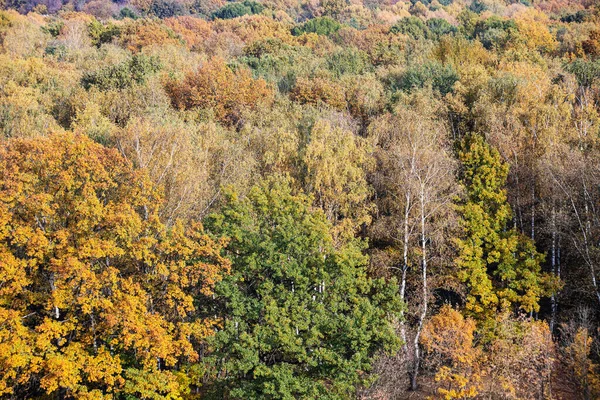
{"x":586,"y":372}
{"x":316,"y":91}
{"x":336,"y":162}
{"x":91,"y":282}
{"x":533,"y":29}
{"x":449,"y":336}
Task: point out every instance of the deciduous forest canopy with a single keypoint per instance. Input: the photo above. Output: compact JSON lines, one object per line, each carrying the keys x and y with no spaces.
{"x":309,"y":199}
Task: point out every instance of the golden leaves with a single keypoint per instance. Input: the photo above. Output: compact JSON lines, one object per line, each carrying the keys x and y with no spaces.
{"x":92,"y":281}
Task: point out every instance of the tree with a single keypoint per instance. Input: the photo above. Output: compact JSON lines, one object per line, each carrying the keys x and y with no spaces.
{"x":577,"y":356}
{"x":336,"y":162}
{"x":133,"y":71}
{"x":320,"y":25}
{"x":166,"y":9}
{"x":441,"y":77}
{"x":97,"y":297}
{"x":449,"y":338}
{"x":412,"y":27}
{"x":318,"y":91}
{"x":301,"y":319}
{"x":500,"y":267}
{"x":216,"y":87}
{"x":415,"y":186}
{"x":234,"y":10}
{"x":519,"y":362}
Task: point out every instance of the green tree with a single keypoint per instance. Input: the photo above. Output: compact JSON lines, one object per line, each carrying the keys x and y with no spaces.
{"x":441,"y":77}
{"x":234,"y":10}
{"x":500,"y":266}
{"x":412,"y":27}
{"x":320,"y":25}
{"x":133,"y":71}
{"x":301,"y":319}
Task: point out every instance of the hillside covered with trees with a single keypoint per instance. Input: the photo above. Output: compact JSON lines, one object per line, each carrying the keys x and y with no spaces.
{"x":310,"y":199}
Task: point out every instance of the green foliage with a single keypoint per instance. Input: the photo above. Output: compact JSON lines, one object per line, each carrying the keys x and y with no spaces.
{"x":441,"y":78}
{"x":413,"y":27}
{"x":467,"y":21}
{"x":500,"y":266}
{"x":321,"y":26}
{"x":167,"y":9}
{"x":440,"y":27}
{"x":133,"y":71}
{"x":576,"y":17}
{"x":495,"y":32}
{"x":301,"y":318}
{"x":54,"y":28}
{"x":348,"y":61}
{"x":127,"y":12}
{"x":234,"y":10}
{"x":278,"y":62}
{"x":586,"y":72}
{"x":478,"y":6}
{"x":100,"y":33}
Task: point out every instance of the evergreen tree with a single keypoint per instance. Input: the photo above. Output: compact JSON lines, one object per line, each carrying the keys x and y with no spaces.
{"x":300,"y":318}
{"x":500,"y":266}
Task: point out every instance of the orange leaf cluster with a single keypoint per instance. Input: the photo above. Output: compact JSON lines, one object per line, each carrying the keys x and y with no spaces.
{"x":92,"y":284}
{"x":215,"y":86}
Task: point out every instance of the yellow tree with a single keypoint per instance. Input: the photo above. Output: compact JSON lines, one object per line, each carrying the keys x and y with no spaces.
{"x":97,"y":297}
{"x":448,"y":338}
{"x":336,"y":162}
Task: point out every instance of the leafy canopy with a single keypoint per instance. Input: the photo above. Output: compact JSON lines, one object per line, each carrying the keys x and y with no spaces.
{"x":301,"y":319}
{"x":97,"y":296}
{"x":500,"y":266}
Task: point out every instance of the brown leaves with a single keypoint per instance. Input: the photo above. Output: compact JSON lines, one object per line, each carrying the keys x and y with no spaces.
{"x":317,"y":91}
{"x":215,"y":86}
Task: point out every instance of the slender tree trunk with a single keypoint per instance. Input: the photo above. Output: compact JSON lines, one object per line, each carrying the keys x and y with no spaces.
{"x":406,"y":237}
{"x":416,"y":349}
{"x":533,"y":212}
{"x":553,"y":258}
{"x":53,"y":289}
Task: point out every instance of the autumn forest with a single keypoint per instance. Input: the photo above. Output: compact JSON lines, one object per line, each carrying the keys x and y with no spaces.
{"x":299,"y":199}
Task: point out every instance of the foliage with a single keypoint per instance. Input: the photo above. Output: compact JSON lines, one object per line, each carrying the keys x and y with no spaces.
{"x":215,"y":86}
{"x":449,"y":337}
{"x":97,"y":296}
{"x":320,"y":25}
{"x":586,"y":72}
{"x":495,"y":32}
{"x":348,"y":61}
{"x":377,"y":110}
{"x":133,"y":71}
{"x":335,"y":161}
{"x":413,"y":27}
{"x":440,"y":77}
{"x":318,"y":91}
{"x":302,"y":319}
{"x":166,"y":8}
{"x":520,"y":361}
{"x":234,"y":10}
{"x":500,"y":266}
{"x":440,"y":27}
{"x":100,"y":33}
{"x":584,"y":369}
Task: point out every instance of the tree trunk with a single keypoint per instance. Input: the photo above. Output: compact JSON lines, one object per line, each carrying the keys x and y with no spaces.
{"x":416,"y":350}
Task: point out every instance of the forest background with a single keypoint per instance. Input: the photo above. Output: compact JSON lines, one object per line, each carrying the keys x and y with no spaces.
{"x":318,"y":199}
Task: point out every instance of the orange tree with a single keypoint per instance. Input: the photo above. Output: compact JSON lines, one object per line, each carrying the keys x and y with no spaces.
{"x":97,"y":296}
{"x":218,"y":88}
